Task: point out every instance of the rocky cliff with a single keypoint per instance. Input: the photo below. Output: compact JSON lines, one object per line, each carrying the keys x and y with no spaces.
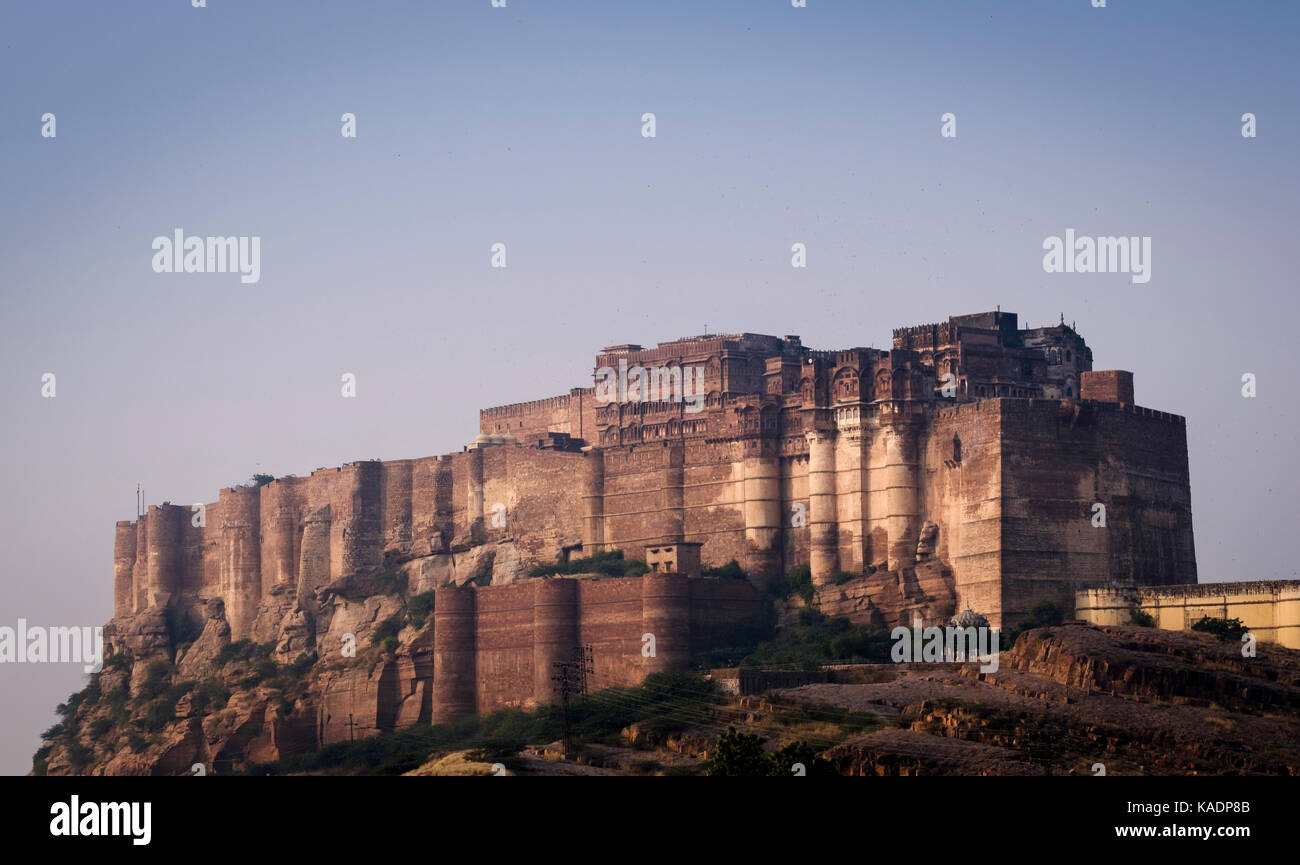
{"x":354,"y":659}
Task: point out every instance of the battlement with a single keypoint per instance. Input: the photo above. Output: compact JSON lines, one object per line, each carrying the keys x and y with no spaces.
{"x":969,"y":441}
{"x":516,"y":409}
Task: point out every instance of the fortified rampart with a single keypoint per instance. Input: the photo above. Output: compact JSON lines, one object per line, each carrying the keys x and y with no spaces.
{"x":499,"y":646}
{"x":1269,"y":609}
{"x":306,"y":533}
{"x":974,"y":464}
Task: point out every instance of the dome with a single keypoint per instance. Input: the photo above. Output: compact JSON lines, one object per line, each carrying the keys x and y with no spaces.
{"x":968,"y":618}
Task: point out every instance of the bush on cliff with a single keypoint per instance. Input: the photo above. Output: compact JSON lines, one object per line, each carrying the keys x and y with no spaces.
{"x":1141,"y":618}
{"x":1229,"y":630}
{"x":609,"y":563}
{"x":420,"y":607}
{"x":155,"y":681}
{"x":742,"y":755}
{"x":181,"y":629}
{"x":1044,"y":614}
{"x":41,"y":759}
{"x":211,"y":696}
{"x":386,"y":630}
{"x":817,"y":640}
{"x":797,"y":582}
{"x":301,"y":664}
{"x":243,"y":650}
{"x":663,"y":703}
{"x":79,"y":756}
{"x":159,"y":714}
{"x":88,"y":696}
{"x":731,"y":570}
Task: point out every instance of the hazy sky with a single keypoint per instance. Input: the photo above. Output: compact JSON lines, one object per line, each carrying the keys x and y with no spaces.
{"x":522,"y":126}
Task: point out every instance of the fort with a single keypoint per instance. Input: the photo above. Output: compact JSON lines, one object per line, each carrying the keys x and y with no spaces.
{"x":957,"y":469}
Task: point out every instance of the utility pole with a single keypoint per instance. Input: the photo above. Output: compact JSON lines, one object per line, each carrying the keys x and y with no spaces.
{"x":571,"y":678}
{"x":585,"y":667}
{"x":565,"y":684}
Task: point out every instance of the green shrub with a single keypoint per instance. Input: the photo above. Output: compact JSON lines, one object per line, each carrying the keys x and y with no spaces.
{"x":212,"y":695}
{"x":609,"y":563}
{"x":388,"y":628}
{"x":731,"y":570}
{"x":155,"y":680}
{"x":79,"y":756}
{"x":741,"y":755}
{"x":783,"y":760}
{"x":301,"y":664}
{"x":810,"y":617}
{"x":41,"y":760}
{"x":816,"y":640}
{"x":1142,"y":618}
{"x":797,"y":582}
{"x":181,"y":628}
{"x":1043,"y":614}
{"x":100,"y":726}
{"x":117,"y":697}
{"x":420,"y":607}
{"x":664,"y":702}
{"x":87,"y":696}
{"x":159,"y":714}
{"x":53,"y":732}
{"x":238,"y":650}
{"x":1229,"y":630}
{"x":260,"y":480}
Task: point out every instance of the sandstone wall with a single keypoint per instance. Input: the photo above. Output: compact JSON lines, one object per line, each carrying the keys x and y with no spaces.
{"x":1270,"y":609}
{"x":962,"y":495}
{"x":1059,"y":459}
{"x":304,"y":533}
{"x":497,"y":646}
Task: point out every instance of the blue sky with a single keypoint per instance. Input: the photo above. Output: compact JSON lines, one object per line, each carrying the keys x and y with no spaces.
{"x":522,"y":126}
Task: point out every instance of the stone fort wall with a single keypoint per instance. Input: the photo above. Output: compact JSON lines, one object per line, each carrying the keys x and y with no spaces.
{"x":853,"y":461}
{"x":308,"y":532}
{"x":1270,"y":609}
{"x":495,"y":647}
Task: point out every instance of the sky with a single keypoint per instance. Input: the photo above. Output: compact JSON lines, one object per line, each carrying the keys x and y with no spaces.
{"x":522,"y":126}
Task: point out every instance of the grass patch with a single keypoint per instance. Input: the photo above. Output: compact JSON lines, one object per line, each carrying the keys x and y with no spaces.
{"x":609,"y":563}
